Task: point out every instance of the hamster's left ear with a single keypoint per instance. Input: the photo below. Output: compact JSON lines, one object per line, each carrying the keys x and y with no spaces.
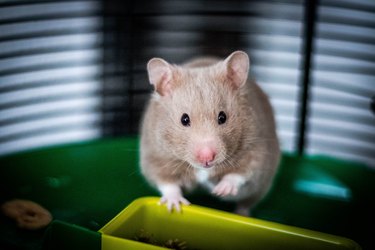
{"x":160,"y":75}
{"x":237,"y":68}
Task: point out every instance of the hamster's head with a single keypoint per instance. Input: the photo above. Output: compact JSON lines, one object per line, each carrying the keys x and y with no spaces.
{"x":202,"y":111}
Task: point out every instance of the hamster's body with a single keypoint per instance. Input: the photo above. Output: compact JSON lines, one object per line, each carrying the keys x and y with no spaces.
{"x":207,"y":124}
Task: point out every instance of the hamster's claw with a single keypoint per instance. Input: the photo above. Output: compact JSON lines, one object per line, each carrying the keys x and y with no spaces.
{"x":174,"y":202}
{"x":225,"y":188}
{"x":229,"y":185}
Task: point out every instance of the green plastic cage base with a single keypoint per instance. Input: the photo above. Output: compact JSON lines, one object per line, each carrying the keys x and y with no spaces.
{"x":88,"y":184}
{"x":66,"y":236}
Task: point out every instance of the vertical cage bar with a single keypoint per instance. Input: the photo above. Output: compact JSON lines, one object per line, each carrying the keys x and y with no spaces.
{"x":308,"y":36}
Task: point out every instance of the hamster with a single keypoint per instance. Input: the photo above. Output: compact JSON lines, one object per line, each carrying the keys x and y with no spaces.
{"x":207,"y":124}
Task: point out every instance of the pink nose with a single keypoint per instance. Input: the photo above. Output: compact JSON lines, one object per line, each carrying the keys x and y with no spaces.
{"x":205,"y":155}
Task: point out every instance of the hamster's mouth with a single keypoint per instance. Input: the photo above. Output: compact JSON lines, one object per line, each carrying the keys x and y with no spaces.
{"x":208,"y":165}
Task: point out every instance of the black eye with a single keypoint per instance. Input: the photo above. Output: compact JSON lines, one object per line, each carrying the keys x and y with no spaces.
{"x":222,"y":118}
{"x":185,"y":120}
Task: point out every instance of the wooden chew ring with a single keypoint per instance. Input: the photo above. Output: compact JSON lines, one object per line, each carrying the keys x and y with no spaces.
{"x":28,"y":214}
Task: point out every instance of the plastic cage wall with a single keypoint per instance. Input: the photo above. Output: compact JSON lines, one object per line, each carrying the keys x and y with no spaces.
{"x":73,"y":71}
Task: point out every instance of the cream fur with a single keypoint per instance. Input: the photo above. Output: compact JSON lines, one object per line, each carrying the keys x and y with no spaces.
{"x":246,"y":143}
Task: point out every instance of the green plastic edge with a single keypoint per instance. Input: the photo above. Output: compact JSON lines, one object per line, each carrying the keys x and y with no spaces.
{"x":62,"y":236}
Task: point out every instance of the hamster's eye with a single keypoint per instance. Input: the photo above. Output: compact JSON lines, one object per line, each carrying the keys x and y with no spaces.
{"x":185,"y":120}
{"x":222,"y":118}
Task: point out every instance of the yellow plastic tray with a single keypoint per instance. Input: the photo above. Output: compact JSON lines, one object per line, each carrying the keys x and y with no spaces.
{"x":203,"y":228}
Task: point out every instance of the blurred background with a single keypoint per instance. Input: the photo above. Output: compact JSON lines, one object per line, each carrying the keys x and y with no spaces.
{"x":73,"y":85}
{"x":75,"y":70}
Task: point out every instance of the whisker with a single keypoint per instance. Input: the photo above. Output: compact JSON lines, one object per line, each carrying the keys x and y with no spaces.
{"x":259,"y":140}
{"x":177,"y":167}
{"x":264,"y":152}
{"x":230,"y":162}
{"x":190,"y":168}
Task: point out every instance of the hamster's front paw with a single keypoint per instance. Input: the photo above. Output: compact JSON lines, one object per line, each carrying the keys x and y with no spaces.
{"x":228,"y":185}
{"x":173,"y":202}
{"x":172,"y":197}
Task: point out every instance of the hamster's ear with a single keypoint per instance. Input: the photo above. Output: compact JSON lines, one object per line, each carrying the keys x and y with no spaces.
{"x":160,"y":75}
{"x":237,"y":68}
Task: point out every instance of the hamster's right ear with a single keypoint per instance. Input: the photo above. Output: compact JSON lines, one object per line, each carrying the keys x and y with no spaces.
{"x":160,"y":75}
{"x":237,"y":68}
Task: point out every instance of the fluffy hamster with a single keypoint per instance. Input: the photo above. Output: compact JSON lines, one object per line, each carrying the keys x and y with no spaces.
{"x":207,"y":124}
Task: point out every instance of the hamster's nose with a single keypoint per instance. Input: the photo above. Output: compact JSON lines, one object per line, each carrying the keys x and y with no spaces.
{"x":205,"y":155}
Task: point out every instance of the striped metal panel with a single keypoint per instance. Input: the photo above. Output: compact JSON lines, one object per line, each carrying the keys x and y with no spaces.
{"x":341,"y":122}
{"x":50,"y":73}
